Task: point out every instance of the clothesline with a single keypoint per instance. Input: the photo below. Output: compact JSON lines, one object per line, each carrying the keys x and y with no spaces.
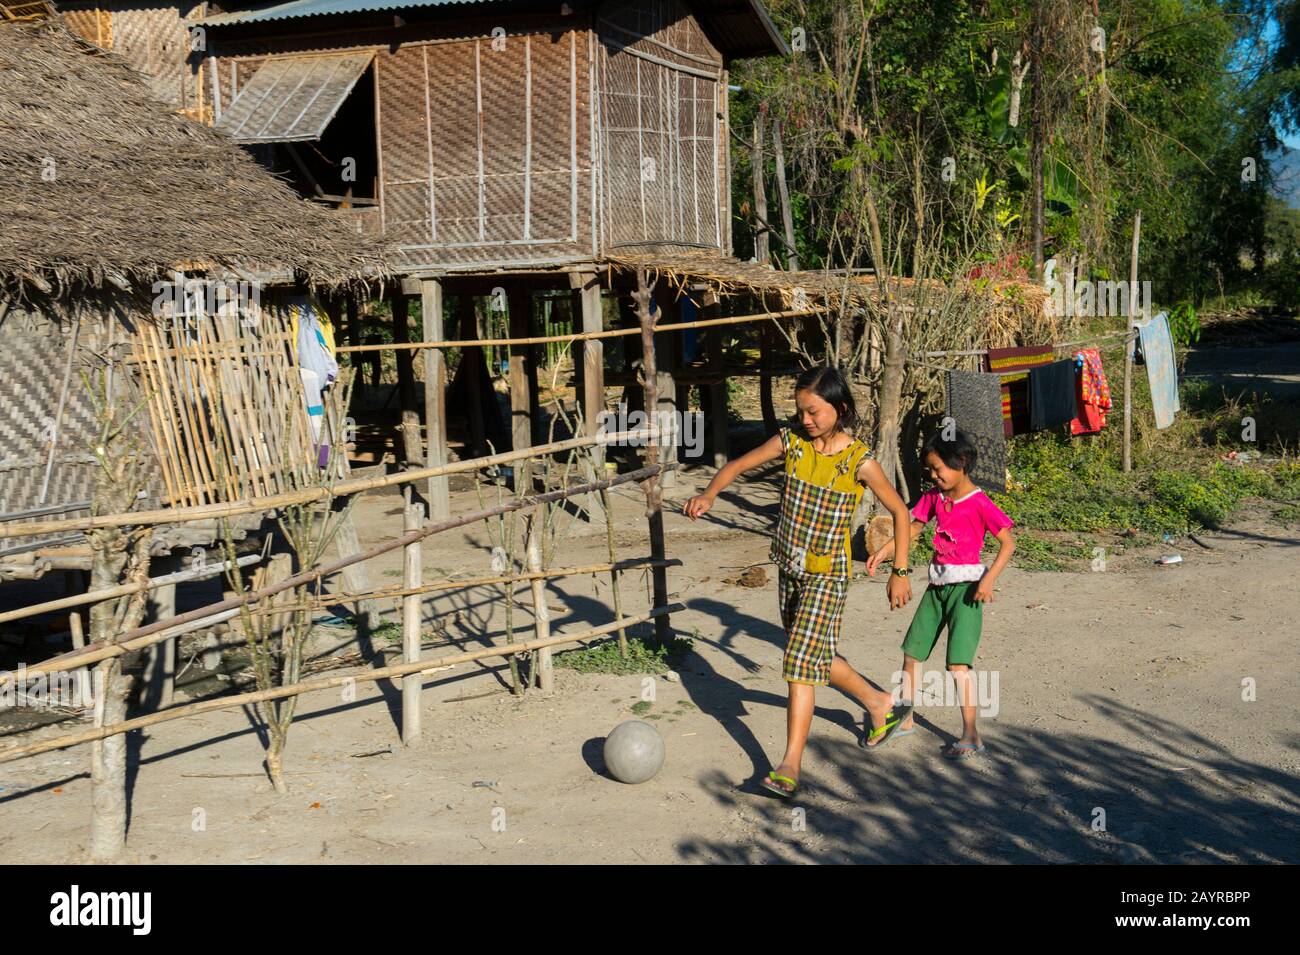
{"x":984,"y":351}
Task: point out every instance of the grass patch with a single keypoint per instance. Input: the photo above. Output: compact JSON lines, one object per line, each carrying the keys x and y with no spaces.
{"x":641,"y":708}
{"x":1290,"y":514}
{"x":1038,"y":553}
{"x":643,"y":656}
{"x":1063,"y":485}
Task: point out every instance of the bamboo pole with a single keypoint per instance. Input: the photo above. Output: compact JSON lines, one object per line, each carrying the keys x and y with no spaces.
{"x":341,"y":489}
{"x":311,"y":686}
{"x":145,"y":636}
{"x":398,"y":592}
{"x":411,"y":605}
{"x":122,"y":590}
{"x":587,"y":336}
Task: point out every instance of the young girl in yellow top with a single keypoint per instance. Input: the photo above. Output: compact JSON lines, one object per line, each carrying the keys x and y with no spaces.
{"x":825,"y":471}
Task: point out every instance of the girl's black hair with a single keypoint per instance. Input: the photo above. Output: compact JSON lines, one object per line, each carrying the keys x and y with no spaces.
{"x":959,"y":454}
{"x":830,"y":386}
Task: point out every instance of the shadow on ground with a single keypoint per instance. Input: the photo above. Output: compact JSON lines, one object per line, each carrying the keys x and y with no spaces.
{"x":1032,"y":799}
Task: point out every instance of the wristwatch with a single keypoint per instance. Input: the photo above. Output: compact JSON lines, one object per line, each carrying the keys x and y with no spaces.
{"x":900,"y":571}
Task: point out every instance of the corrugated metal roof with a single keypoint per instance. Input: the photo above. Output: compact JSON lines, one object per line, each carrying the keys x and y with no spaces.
{"x":739,"y":27}
{"x":320,"y":8}
{"x":292,"y":98}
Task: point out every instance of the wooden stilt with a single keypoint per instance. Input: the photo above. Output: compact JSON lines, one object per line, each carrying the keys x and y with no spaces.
{"x":435,"y":397}
{"x":665,"y":365}
{"x":522,"y":374}
{"x":717,"y":393}
{"x":593,"y":382}
{"x":162,"y":656}
{"x":411,"y":447}
{"x":473,"y":359}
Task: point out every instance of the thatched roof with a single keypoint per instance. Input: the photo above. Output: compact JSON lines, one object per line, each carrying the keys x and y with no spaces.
{"x":100,"y":179}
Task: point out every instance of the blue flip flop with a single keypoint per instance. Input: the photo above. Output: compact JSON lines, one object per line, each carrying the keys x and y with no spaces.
{"x":963,"y":751}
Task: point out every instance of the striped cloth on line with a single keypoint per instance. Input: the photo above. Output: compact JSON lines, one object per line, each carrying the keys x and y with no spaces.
{"x":1012,"y":366}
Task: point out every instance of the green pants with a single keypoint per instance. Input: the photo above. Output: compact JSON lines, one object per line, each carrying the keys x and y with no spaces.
{"x":952,"y":606}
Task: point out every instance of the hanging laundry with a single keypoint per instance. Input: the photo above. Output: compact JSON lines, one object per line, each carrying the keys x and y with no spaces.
{"x":314,"y":341}
{"x":1052,"y":394}
{"x":1012,"y":366}
{"x":1093,"y":398}
{"x":975,"y":404}
{"x":1158,"y":353}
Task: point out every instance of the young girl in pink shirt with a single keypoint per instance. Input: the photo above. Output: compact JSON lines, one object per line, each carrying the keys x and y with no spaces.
{"x":960,"y":584}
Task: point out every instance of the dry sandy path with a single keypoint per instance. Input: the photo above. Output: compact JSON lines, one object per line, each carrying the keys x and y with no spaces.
{"x":1119,"y":691}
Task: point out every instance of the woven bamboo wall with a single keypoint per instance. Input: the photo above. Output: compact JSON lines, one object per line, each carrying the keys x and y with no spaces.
{"x":533,"y":152}
{"x":33,"y":358}
{"x":152,"y":38}
{"x":485,"y":153}
{"x":662,"y":139}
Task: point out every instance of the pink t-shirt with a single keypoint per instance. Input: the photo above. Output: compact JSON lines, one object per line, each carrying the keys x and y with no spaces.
{"x":960,"y":525}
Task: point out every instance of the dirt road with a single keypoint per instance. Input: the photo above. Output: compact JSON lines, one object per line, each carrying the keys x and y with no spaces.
{"x":1143,"y":714}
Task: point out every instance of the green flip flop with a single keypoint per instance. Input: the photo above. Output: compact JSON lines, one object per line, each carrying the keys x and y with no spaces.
{"x":773,"y":785}
{"x":883,"y":733}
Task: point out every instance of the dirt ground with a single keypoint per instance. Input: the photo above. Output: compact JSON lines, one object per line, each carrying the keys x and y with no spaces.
{"x":1119,"y":701}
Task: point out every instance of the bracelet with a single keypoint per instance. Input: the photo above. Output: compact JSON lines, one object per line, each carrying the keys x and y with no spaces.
{"x":900,"y":571}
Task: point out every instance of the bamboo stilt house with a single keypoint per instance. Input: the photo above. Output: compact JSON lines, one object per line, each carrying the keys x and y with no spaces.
{"x":113,"y":202}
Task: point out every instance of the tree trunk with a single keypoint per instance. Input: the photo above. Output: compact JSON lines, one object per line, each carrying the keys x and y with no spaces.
{"x":653,"y":486}
{"x":783,"y":192}
{"x":108,"y":765}
{"x":891,"y":398}
{"x":762,"y":254}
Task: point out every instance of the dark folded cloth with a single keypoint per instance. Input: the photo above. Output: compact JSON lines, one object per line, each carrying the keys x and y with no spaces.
{"x":1052,"y":393}
{"x":975,"y":404}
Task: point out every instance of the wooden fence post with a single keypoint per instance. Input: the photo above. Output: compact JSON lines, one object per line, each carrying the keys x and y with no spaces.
{"x":411,"y":604}
{"x":541,"y":613}
{"x":1129,"y":346}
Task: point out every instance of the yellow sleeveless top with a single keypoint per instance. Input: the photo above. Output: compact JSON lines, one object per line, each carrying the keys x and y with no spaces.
{"x":813,"y":534}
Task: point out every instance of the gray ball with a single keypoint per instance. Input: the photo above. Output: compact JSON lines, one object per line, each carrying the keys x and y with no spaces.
{"x":634,"y":751}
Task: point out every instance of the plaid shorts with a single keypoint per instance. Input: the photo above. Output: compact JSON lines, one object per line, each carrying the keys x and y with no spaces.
{"x":811,"y":610}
